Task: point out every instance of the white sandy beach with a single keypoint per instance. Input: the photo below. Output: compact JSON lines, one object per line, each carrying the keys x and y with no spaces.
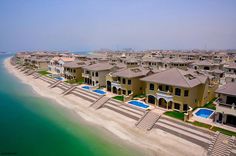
{"x":155,"y":142}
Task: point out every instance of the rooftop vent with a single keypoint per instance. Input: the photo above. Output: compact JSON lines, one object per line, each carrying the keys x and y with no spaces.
{"x":189,"y":76}
{"x":136,"y":70}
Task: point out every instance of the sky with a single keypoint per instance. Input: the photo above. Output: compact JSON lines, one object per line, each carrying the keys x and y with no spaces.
{"x":81,"y":25}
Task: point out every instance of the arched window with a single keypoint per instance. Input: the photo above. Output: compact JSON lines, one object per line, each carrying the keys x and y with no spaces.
{"x":151,"y":99}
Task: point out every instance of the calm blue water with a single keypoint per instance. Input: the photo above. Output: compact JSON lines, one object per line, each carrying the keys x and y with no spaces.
{"x":59,"y":78}
{"x":86,"y":87}
{"x":204,"y":113}
{"x":101,"y":92}
{"x":138,"y":104}
{"x":34,"y":126}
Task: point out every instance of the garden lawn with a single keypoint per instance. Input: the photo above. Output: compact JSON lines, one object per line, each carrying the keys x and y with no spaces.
{"x":175,"y":114}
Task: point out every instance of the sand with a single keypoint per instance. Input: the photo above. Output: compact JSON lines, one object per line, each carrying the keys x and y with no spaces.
{"x":154,"y":142}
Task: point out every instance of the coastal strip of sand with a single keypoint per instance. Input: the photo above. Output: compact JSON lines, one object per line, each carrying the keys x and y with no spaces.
{"x":155,"y":142}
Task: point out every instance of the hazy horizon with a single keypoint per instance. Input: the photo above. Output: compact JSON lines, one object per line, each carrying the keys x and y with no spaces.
{"x":78,"y":25}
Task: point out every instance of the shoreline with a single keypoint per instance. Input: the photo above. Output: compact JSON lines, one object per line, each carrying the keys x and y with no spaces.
{"x":156,"y":142}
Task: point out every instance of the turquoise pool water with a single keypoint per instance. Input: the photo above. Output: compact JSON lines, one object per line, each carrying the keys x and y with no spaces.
{"x":204,"y":113}
{"x":138,"y":104}
{"x":86,"y":87}
{"x":99,"y":91}
{"x":59,"y":78}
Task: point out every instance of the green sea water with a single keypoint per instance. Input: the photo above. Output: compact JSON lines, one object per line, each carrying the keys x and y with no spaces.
{"x":34,"y":126}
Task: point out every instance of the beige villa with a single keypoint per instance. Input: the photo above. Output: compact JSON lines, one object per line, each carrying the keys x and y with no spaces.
{"x":127,"y":81}
{"x":95,"y":74}
{"x":178,"y":89}
{"x":226,"y":104}
{"x":73,"y":70}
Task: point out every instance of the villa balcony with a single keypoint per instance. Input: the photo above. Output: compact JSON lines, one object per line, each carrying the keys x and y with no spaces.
{"x":69,"y":73}
{"x":224,"y":107}
{"x":86,"y":75}
{"x":116,"y":84}
{"x":165,"y":95}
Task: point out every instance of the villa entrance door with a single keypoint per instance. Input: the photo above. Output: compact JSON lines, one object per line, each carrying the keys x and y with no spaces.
{"x":114,"y":90}
{"x":162,"y":103}
{"x":231,"y":120}
{"x":151,"y":99}
{"x":109,"y":86}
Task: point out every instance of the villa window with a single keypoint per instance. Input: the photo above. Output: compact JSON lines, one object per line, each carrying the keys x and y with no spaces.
{"x":92,"y":73}
{"x":118,"y":78}
{"x":74,"y":70}
{"x":160,"y":88}
{"x":129,"y":82}
{"x":167,"y":88}
{"x":151,"y":87}
{"x":123,"y":81}
{"x":185,"y":92}
{"x":185,"y":107}
{"x":177,"y":91}
{"x":129,"y":92}
{"x":124,"y":92}
{"x":96,"y":74}
{"x":177,"y":106}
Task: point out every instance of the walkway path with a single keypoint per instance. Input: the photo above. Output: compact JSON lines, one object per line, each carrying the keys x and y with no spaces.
{"x":221,"y":145}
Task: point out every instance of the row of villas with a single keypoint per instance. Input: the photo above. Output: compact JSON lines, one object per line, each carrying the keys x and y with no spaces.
{"x":178,"y":86}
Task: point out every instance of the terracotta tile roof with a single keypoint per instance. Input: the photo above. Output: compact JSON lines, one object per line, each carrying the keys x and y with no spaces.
{"x":99,"y":67}
{"x":229,"y":89}
{"x":132,"y":72}
{"x":75,"y":64}
{"x":176,"y":77}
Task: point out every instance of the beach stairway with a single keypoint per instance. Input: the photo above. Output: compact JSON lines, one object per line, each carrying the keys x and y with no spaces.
{"x":100,"y":102}
{"x":30,"y":73}
{"x":18,"y":67}
{"x":37,"y":76}
{"x":221,"y":145}
{"x":86,"y":94}
{"x":125,"y":109}
{"x":23,"y":69}
{"x":55,"y":84}
{"x":26,"y":71}
{"x":148,"y":120}
{"x":69,"y":90}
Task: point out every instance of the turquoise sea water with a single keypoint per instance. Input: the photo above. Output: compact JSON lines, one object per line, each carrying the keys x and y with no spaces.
{"x":33,"y":126}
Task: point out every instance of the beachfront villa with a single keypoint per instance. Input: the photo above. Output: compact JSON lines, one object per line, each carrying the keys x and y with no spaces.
{"x":56,"y":64}
{"x":131,"y":62}
{"x":230,"y":68}
{"x":127,"y":81}
{"x":95,"y":74}
{"x":39,"y":63}
{"x":206,"y":65}
{"x":73,"y":70}
{"x":226,"y":104}
{"x":179,"y":63}
{"x":177,"y":89}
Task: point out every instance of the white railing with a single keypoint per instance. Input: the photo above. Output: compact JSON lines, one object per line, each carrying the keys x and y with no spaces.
{"x":85,"y":75}
{"x":116,"y":84}
{"x":220,"y":103}
{"x":165,"y":95}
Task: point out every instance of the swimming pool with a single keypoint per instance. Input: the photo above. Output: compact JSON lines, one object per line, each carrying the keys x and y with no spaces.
{"x":101,"y":92}
{"x":204,"y":113}
{"x":59,"y":78}
{"x":86,"y":87}
{"x":138,"y":104}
